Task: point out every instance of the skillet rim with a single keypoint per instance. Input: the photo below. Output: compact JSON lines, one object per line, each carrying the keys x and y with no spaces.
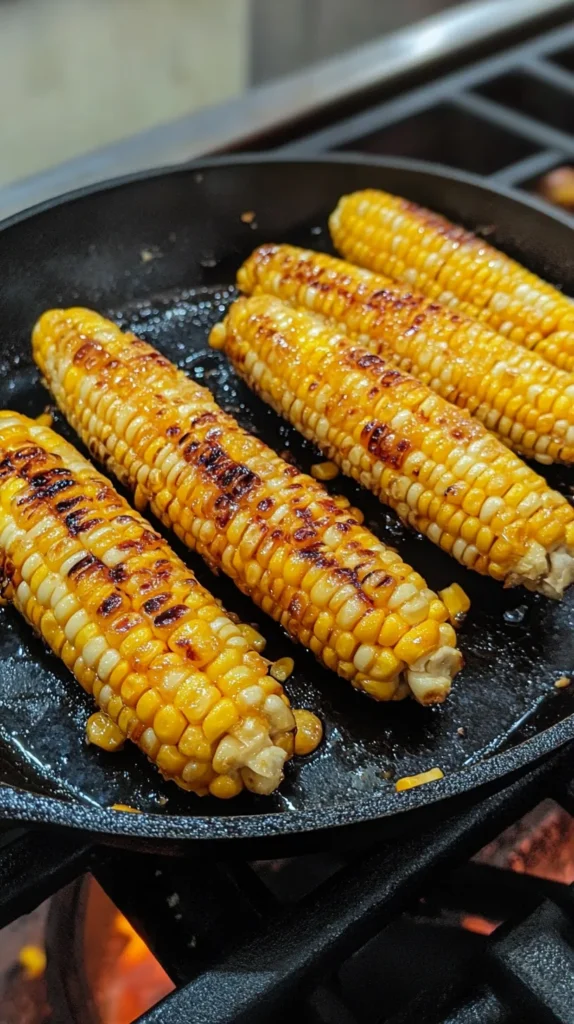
{"x":19,"y":805}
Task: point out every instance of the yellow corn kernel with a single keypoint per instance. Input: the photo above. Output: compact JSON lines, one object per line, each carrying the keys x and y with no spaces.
{"x":379,"y":689}
{"x":45,"y":419}
{"x":456,"y":602}
{"x":196,"y":771}
{"x":410,"y":781}
{"x":325,"y":471}
{"x":345,"y":646}
{"x":102,"y":732}
{"x":418,"y":642}
{"x":194,"y":744}
{"x":195,"y":697}
{"x":169,"y":760}
{"x":148,"y":705}
{"x":133,"y":687}
{"x":369,"y":627}
{"x":126,"y":808}
{"x":254,"y":639}
{"x":169,"y":724}
{"x":282,"y":669}
{"x":230,"y":658}
{"x":286,"y":742}
{"x":225,"y":787}
{"x":33,"y":961}
{"x":309,"y":731}
{"x":195,"y":637}
{"x":438,"y":611}
{"x":393,"y":629}
{"x":386,"y":665}
{"x":220,"y":719}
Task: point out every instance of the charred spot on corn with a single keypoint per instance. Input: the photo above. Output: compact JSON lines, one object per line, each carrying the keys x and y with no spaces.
{"x":304,"y":557}
{"x":98,"y":598}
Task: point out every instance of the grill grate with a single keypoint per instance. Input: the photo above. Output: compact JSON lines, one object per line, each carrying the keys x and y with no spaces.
{"x":239,"y":952}
{"x":509,"y":117}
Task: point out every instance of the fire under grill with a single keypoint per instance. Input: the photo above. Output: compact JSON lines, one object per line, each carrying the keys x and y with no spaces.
{"x":471,"y":920}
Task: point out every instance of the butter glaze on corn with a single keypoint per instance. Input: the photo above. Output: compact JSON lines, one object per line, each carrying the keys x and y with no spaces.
{"x":526,"y":400}
{"x":452,"y":266}
{"x":132,"y":623}
{"x":300,"y":554}
{"x":442,"y":471}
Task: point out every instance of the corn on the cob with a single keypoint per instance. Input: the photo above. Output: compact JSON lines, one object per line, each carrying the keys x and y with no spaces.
{"x":452,"y":266}
{"x":442,"y":471}
{"x":523,"y":398}
{"x":301,"y":556}
{"x":132,"y":623}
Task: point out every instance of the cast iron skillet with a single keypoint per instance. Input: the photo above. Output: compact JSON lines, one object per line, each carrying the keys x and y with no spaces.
{"x":159,"y":252}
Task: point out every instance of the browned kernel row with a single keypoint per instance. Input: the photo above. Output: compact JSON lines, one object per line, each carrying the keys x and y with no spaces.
{"x":132,"y":623}
{"x":441,"y":470}
{"x":301,"y":556}
{"x":452,"y":266}
{"x":526,"y":400}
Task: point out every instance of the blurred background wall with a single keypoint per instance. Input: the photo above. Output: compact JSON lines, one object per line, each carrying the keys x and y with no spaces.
{"x":76,"y":74}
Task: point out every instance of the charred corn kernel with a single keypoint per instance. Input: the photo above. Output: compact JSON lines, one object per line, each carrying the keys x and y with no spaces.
{"x":254,"y":639}
{"x":282,"y":669}
{"x":324,"y":471}
{"x":33,"y":960}
{"x":272,"y":529}
{"x":411,"y":781}
{"x":456,"y":602}
{"x":451,"y":265}
{"x":102,"y":732}
{"x":129,"y":618}
{"x":309,"y":731}
{"x":516,"y":393}
{"x":442,"y":471}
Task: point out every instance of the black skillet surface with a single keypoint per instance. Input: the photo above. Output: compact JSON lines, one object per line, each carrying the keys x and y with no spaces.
{"x":159,"y":253}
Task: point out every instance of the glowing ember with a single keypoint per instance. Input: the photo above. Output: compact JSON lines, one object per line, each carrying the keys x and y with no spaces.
{"x":134,"y":981}
{"x":541,"y":844}
{"x":480,"y":925}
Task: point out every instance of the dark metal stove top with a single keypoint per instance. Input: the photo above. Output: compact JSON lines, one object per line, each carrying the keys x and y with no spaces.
{"x":331,"y":939}
{"x":346,"y":940}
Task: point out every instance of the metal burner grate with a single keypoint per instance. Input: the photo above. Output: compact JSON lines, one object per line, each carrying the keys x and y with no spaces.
{"x":509,"y":117}
{"x":357,"y":948}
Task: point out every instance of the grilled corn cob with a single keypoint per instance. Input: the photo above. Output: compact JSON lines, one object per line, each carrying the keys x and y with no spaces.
{"x":452,"y":266}
{"x":132,"y":623}
{"x":442,"y":471}
{"x":522,"y":397}
{"x":301,"y":556}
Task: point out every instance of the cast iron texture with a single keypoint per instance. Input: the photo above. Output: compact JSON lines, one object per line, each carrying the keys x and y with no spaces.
{"x":159,"y":253}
